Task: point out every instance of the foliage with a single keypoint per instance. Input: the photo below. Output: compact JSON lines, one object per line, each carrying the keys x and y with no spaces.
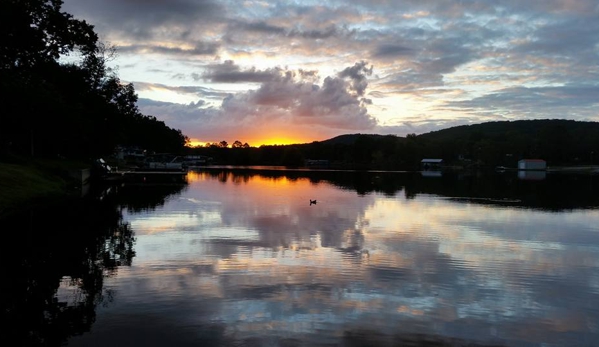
{"x":79,"y":109}
{"x":559,"y":142}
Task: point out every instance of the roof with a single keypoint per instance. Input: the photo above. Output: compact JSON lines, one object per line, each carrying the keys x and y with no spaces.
{"x":431,"y":161}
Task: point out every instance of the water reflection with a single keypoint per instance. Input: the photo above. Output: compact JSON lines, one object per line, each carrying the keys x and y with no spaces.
{"x":536,"y":190}
{"x":56,"y":260}
{"x":383,"y":259}
{"x":532,"y":175}
{"x":244,"y":258}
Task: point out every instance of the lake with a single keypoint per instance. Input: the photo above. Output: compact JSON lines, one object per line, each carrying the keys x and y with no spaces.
{"x":241,"y":257}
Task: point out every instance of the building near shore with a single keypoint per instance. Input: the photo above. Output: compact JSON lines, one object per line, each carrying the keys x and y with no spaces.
{"x":532,"y":164}
{"x":431,"y":164}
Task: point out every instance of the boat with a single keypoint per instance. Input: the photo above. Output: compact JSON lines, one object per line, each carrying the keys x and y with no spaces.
{"x":163,"y":162}
{"x":196,"y":160}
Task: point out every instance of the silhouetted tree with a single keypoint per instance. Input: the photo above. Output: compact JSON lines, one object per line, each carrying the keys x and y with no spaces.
{"x":75,"y":109}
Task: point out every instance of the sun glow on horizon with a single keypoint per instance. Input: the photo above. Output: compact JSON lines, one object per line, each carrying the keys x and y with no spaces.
{"x":257,"y":143}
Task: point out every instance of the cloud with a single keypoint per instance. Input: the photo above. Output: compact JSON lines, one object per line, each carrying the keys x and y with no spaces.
{"x":199,"y":91}
{"x":205,"y":48}
{"x":322,"y":33}
{"x":286,"y":99}
{"x":357,"y":75}
{"x":146,"y":15}
{"x":228,"y":72}
{"x":464,"y":60}
{"x":289,"y":96}
{"x":392,"y":50}
{"x":566,"y":101}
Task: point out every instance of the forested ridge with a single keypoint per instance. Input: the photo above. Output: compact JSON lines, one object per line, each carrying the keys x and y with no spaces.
{"x":59,"y":97}
{"x":490,"y":144}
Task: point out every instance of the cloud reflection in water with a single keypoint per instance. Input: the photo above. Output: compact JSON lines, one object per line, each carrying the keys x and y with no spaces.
{"x":250,"y":255}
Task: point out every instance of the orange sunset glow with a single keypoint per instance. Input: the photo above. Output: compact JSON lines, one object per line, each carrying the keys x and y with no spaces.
{"x":259,"y":184}
{"x":257,"y":142}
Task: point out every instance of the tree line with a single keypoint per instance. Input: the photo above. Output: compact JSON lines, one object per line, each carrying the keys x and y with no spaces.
{"x":485,"y":145}
{"x":59,"y":96}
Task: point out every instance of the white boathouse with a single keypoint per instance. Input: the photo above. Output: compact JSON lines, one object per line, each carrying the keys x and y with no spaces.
{"x":532,"y":164}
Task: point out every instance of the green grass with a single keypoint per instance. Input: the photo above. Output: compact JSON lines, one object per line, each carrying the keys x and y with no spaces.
{"x":24,"y":182}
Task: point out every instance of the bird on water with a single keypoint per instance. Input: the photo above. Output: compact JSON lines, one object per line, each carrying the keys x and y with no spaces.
{"x":312,"y":202}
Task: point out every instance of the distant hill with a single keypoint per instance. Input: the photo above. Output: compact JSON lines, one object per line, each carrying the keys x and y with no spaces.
{"x":484,"y":145}
{"x":500,"y":129}
{"x":350,"y":139}
{"x":497,"y":129}
{"x":557,"y":141}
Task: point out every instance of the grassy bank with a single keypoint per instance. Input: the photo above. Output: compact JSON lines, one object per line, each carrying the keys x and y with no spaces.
{"x":27,"y":182}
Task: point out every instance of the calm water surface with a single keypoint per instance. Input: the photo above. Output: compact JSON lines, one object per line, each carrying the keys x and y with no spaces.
{"x":241,"y":258}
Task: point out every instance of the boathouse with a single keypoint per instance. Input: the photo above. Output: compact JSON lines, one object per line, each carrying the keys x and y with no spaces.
{"x":431,"y":164}
{"x":532,"y":164}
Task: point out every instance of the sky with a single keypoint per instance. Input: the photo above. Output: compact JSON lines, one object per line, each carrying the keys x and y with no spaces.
{"x":282,"y":72}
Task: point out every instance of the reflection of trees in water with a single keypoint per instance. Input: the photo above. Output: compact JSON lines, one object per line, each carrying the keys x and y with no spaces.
{"x":54,"y":274}
{"x":556,"y":192}
{"x":360,"y":181}
{"x":141,"y":196}
{"x":74,"y":244}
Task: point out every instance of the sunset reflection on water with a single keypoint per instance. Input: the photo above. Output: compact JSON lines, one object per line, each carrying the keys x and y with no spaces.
{"x":246,"y":257}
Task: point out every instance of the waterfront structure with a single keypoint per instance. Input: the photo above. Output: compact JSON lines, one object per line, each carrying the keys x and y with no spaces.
{"x":532,"y":164}
{"x":431,"y":164}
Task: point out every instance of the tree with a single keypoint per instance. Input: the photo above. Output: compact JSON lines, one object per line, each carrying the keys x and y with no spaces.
{"x":78,"y":109}
{"x":37,"y":32}
{"x":34,"y":34}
